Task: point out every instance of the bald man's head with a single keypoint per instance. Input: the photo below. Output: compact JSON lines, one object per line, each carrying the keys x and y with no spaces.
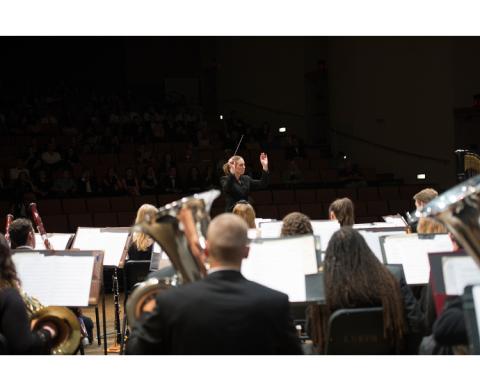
{"x":227,"y":239}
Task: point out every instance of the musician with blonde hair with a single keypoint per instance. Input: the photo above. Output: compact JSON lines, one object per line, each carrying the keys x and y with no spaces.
{"x":246,"y":212}
{"x":236,"y":185}
{"x":142,"y":245}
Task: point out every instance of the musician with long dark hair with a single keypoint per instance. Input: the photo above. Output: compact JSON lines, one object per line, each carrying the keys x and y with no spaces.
{"x":14,"y":320}
{"x":355,"y":278}
{"x":236,"y":185}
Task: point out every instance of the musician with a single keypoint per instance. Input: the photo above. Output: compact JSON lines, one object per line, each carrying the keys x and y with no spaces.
{"x":223,"y":313}
{"x":22,"y":235}
{"x":343,"y":211}
{"x":295,"y":224}
{"x":14,"y":320}
{"x":421,"y":199}
{"x":246,"y":212}
{"x":236,"y":185}
{"x":142,"y":245}
{"x":354,"y":278}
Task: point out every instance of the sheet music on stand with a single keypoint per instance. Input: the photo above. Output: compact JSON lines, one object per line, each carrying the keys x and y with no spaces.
{"x":412,"y":252}
{"x":459,"y":272}
{"x":59,"y":278}
{"x":113,"y":241}
{"x":325,"y":230}
{"x":59,"y":241}
{"x":282,"y":264}
{"x":395,"y":220}
{"x":159,"y":258}
{"x":270,"y":229}
{"x":373,"y":240}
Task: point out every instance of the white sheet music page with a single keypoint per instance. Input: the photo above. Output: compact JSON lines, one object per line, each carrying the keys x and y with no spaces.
{"x":325,"y":229}
{"x":112,"y":243}
{"x":56,"y":280}
{"x":412,"y":253}
{"x":58,"y":241}
{"x":282,"y":264}
{"x":476,"y":303}
{"x":458,"y":272}
{"x":270,"y":229}
{"x":373,"y":241}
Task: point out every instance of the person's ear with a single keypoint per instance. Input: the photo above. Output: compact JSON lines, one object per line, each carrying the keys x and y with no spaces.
{"x":332,"y":215}
{"x":246,"y":251}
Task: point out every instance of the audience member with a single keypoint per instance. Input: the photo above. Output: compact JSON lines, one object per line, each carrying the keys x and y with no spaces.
{"x":130,"y":183}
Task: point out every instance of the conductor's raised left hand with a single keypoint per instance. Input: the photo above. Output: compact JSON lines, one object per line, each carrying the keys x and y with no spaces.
{"x":264,"y":161}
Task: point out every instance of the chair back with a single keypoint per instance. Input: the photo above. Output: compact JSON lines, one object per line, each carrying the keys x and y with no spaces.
{"x":3,"y":345}
{"x":357,"y":331}
{"x":135,"y":272}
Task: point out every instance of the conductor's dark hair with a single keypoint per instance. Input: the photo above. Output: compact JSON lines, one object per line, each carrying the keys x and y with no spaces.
{"x":355,"y":278}
{"x":8,"y":274}
{"x":19,"y":230}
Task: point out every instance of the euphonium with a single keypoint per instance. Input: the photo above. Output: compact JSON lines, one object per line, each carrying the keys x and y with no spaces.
{"x":459,"y":210}
{"x":68,"y":336}
{"x":180,"y":228}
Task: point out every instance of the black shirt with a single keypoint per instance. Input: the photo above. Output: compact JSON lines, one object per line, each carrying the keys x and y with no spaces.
{"x":135,"y":254}
{"x":15,"y":326}
{"x":236,"y":190}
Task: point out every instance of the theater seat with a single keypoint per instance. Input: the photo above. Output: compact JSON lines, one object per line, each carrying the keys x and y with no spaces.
{"x":55,"y":223}
{"x":266,"y":211}
{"x":105,"y":219}
{"x":357,"y":331}
{"x":76,"y":220}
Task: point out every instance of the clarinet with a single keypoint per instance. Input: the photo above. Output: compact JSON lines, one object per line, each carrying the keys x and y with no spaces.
{"x":39,"y":224}
{"x":7,"y":227}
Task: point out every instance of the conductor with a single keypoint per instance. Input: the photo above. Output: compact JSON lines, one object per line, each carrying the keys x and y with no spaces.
{"x":236,"y":185}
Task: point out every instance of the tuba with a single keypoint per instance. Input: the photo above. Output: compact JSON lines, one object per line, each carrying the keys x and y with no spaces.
{"x":459,"y":210}
{"x":180,"y":228}
{"x":68,"y":336}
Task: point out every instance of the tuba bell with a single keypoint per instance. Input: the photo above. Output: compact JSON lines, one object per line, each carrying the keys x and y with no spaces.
{"x":459,"y":210}
{"x":180,"y":228}
{"x":68,"y":336}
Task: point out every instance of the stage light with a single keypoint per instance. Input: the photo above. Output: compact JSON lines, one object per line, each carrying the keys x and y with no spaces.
{"x":221,"y":117}
{"x":421,"y":176}
{"x":282,"y":130}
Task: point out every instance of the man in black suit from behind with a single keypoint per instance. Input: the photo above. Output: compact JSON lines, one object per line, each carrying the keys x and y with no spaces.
{"x":223,"y":313}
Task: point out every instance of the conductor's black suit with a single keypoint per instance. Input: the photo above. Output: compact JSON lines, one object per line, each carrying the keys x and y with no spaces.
{"x":221,"y":314}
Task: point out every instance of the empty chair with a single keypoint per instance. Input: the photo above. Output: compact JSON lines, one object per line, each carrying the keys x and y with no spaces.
{"x":328,"y":175}
{"x":388,"y":192}
{"x":360,"y":208}
{"x":377,"y":208}
{"x":305,"y":196}
{"x":126,"y":219}
{"x":266,"y":211}
{"x":283,"y":196}
{"x":408,"y":191}
{"x":138,"y":201}
{"x":98,"y":204}
{"x":261,"y":197}
{"x":285,"y":209}
{"x":105,"y":219}
{"x":121,"y":203}
{"x":351,"y":193}
{"x":74,"y":205}
{"x":315,"y":211}
{"x":368,"y":193}
{"x":55,"y":223}
{"x":79,"y":220}
{"x":400,"y":206}
{"x":50,"y":207}
{"x":326,"y":195}
{"x":357,"y":331}
{"x":167,"y":198}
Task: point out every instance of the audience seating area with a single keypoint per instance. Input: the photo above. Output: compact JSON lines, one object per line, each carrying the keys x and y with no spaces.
{"x":65,"y":215}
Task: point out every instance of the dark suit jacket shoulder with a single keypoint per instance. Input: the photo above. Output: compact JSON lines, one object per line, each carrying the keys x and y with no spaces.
{"x":221,"y":314}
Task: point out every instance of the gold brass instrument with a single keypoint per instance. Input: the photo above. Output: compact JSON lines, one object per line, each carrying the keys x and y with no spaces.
{"x":468,"y":164}
{"x":459,"y":210}
{"x":68,"y":336}
{"x":180,"y":228}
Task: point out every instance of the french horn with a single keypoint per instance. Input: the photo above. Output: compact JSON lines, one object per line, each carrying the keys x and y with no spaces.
{"x":68,"y":336}
{"x":180,"y":228}
{"x":459,"y":210}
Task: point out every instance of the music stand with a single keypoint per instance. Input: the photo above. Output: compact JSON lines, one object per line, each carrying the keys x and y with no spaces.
{"x":114,"y":241}
{"x":471,"y":310}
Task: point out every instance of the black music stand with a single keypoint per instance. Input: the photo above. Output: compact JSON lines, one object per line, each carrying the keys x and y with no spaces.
{"x":471,"y":313}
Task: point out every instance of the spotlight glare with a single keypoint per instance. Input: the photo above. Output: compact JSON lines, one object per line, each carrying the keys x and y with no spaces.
{"x":282,"y":130}
{"x":421,"y":176}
